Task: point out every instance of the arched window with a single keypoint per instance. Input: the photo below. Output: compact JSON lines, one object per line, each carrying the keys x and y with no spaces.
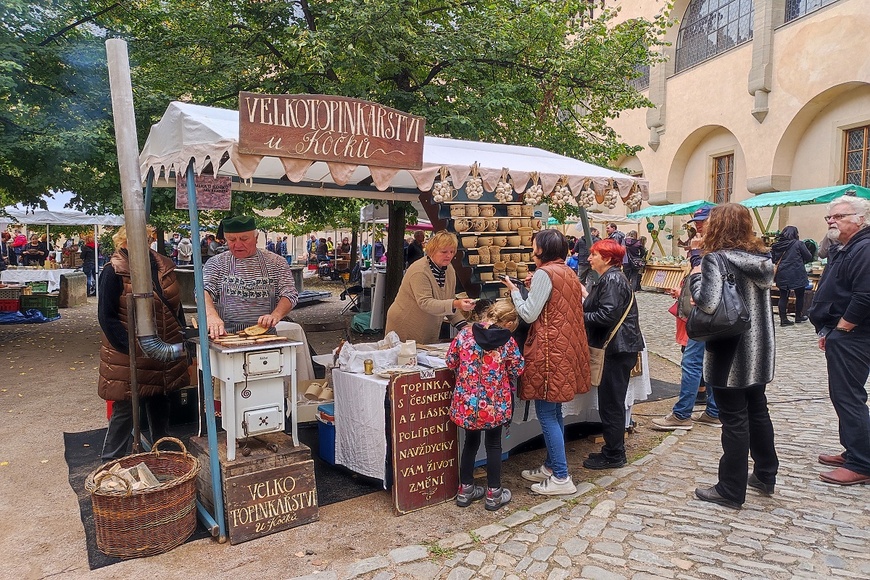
{"x":796,"y":8}
{"x":711,"y":27}
{"x":640,"y":82}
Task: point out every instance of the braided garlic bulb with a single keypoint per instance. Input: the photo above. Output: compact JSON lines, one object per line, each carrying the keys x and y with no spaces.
{"x":442,"y":191}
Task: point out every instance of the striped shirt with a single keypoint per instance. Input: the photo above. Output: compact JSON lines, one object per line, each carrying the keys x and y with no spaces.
{"x":243,"y":289}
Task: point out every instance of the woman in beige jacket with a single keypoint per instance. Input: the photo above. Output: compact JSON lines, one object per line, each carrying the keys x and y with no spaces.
{"x":428,"y":294}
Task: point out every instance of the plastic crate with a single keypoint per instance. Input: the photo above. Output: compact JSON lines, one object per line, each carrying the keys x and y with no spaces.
{"x":10,"y":293}
{"x":45,"y":303}
{"x":9,"y":305}
{"x":38,"y":286}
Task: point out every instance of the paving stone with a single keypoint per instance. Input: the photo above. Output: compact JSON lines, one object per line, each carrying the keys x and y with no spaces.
{"x":523,"y":564}
{"x":597,"y":573}
{"x":366,"y":566}
{"x":537,"y":569}
{"x":325,"y":575}
{"x":475,"y":558}
{"x":547,"y":507}
{"x":649,"y":557}
{"x":503,"y":560}
{"x":526,"y":537}
{"x":409,"y":554}
{"x":460,"y":573}
{"x":575,"y":546}
{"x":378,"y":576}
{"x":563,"y":561}
{"x":456,"y":541}
{"x":612,"y":548}
{"x":611,"y":533}
{"x":543,"y":553}
{"x":486,"y":532}
{"x":558,"y":574}
{"x":516,"y":519}
{"x":514,"y":548}
{"x":420,"y":570}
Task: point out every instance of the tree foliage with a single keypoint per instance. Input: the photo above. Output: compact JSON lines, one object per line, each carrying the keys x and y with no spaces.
{"x":530,"y":72}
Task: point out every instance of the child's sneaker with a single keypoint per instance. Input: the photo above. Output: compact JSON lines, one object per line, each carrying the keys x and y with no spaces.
{"x":468,"y":493}
{"x":497,"y":497}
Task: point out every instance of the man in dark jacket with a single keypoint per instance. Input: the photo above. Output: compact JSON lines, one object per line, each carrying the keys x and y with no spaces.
{"x":841,"y":315}
{"x":415,"y":248}
{"x":582,"y":253}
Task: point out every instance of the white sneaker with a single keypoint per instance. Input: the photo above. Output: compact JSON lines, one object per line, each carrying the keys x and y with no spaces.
{"x":537,"y":474}
{"x":552,"y":486}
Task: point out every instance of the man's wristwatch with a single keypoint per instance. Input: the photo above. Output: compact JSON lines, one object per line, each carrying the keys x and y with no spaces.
{"x":841,"y":329}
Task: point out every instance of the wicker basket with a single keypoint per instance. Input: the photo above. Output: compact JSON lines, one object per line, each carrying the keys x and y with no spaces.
{"x":132,"y":524}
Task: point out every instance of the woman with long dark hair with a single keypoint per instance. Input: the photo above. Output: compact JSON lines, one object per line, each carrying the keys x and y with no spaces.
{"x":738,"y":368}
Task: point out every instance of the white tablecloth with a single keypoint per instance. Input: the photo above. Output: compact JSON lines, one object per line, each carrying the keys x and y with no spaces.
{"x":22,"y":276}
{"x":360,"y":418}
{"x":304,"y":368}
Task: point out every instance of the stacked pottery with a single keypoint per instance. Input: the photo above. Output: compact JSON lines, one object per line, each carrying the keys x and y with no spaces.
{"x":484,"y":241}
{"x":527,"y":210}
{"x":472,"y":210}
{"x":461,"y":225}
{"x":457,"y":211}
{"x":504,"y":224}
{"x":487,"y":210}
{"x":514,"y":211}
{"x":522,"y":270}
{"x":483,"y":252}
{"x":514,"y":241}
{"x":469,"y":241}
{"x":480,"y":225}
{"x":494,"y":254}
{"x":492,"y":224}
{"x":473,"y":259}
{"x":499,"y":269}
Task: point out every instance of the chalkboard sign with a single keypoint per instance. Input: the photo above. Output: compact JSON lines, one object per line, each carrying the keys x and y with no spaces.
{"x":425,"y":444}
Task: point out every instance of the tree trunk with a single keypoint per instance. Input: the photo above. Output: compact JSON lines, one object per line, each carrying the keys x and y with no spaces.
{"x":354,"y":241}
{"x":395,"y":253}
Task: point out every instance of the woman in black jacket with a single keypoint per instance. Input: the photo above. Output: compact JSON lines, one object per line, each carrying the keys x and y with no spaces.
{"x":790,"y":254}
{"x":603,"y":307}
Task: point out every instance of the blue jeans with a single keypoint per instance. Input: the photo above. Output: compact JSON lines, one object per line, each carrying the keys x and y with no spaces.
{"x":692,"y":367}
{"x":553,"y":428}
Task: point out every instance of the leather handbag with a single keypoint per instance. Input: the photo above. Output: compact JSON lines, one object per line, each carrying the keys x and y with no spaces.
{"x":730,"y":318}
{"x":596,"y":355}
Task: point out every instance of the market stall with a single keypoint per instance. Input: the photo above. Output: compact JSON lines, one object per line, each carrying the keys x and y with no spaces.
{"x":664,"y":272}
{"x":190,"y":139}
{"x":819,"y":195}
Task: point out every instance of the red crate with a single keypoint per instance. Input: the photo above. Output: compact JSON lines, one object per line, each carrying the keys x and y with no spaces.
{"x":8,"y":305}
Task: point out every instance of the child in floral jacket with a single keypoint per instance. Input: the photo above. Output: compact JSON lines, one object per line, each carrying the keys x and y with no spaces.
{"x":487,"y":362}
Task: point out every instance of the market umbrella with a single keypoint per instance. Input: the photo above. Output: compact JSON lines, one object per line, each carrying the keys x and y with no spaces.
{"x":686,"y":208}
{"x":817,"y":195}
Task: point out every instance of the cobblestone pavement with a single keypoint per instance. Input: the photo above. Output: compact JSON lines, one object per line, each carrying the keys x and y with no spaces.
{"x":643,"y":522}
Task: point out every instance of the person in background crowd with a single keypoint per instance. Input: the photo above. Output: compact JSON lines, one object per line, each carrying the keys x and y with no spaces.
{"x":34,"y":253}
{"x":185,"y":252}
{"x":270,"y":246}
{"x":282,"y":246}
{"x":330,"y":246}
{"x":487,"y":362}
{"x":366,"y":251}
{"x":344,"y":248}
{"x":89,"y":264}
{"x":604,"y":306}
{"x":582,"y":253}
{"x":428,"y":294}
{"x":415,"y":249}
{"x":216,"y":246}
{"x":311,"y":247}
{"x":19,"y":240}
{"x":789,"y":255}
{"x":633,"y":262}
{"x":156,"y":379}
{"x":556,"y":353}
{"x":6,"y":253}
{"x":737,"y":369}
{"x":379,"y":251}
{"x":245,"y":286}
{"x":841,"y":315}
{"x":692,"y":361}
{"x":614,"y":234}
{"x":322,"y":250}
{"x":828,"y":248}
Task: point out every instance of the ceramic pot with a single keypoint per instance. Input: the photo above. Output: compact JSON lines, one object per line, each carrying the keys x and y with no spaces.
{"x":480,"y":225}
{"x":457,"y":210}
{"x":487,"y":210}
{"x":483,"y":252}
{"x":486,"y":276}
{"x":473,"y":259}
{"x":504,"y":224}
{"x":522,"y":271}
{"x":526,"y":240}
{"x":499,"y":268}
{"x":461,"y":225}
{"x":527,"y":210}
{"x":504,"y":293}
{"x":499,"y":241}
{"x":472,"y":210}
{"x":469,"y":241}
{"x":484,"y":241}
{"x":514,"y":241}
{"x":492,"y":224}
{"x":536,"y":224}
{"x":510,"y":267}
{"x":514,"y":211}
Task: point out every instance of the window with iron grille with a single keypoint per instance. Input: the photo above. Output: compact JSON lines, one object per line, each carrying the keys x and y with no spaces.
{"x":856,"y":168}
{"x":641,"y":82}
{"x":723,"y":178}
{"x":794,"y":9}
{"x":711,"y":27}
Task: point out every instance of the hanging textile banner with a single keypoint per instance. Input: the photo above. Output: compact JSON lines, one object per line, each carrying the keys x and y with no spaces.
{"x":329,"y":128}
{"x":211,"y":192}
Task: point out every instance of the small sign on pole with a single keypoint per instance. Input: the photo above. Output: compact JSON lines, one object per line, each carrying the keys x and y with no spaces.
{"x":211,"y":192}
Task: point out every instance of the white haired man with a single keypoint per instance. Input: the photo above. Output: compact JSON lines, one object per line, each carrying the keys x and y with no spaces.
{"x":841,"y":315}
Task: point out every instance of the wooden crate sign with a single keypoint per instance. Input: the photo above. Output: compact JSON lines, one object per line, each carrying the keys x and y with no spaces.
{"x":270,"y":501}
{"x":424,"y":440}
{"x":330,"y":128}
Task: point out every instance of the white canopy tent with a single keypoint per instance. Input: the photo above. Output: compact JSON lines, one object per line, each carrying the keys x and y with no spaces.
{"x":47,"y":218}
{"x":203,"y":135}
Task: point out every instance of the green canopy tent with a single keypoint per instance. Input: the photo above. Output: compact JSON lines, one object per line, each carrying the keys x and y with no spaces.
{"x":799,"y":197}
{"x":687,"y":208}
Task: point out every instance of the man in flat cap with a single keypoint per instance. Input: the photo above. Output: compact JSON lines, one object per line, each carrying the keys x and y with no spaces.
{"x":244,"y":285}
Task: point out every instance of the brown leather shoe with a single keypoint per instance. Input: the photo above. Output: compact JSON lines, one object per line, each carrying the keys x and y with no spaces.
{"x":832,"y":460}
{"x":843,"y":476}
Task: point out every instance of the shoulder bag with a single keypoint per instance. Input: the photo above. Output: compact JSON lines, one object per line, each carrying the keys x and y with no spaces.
{"x":596,"y":355}
{"x":730,"y":318}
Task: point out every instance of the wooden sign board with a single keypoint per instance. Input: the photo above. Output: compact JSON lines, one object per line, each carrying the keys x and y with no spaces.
{"x":330,"y":128}
{"x":211,"y":192}
{"x":424,"y":440}
{"x":265,"y":502}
